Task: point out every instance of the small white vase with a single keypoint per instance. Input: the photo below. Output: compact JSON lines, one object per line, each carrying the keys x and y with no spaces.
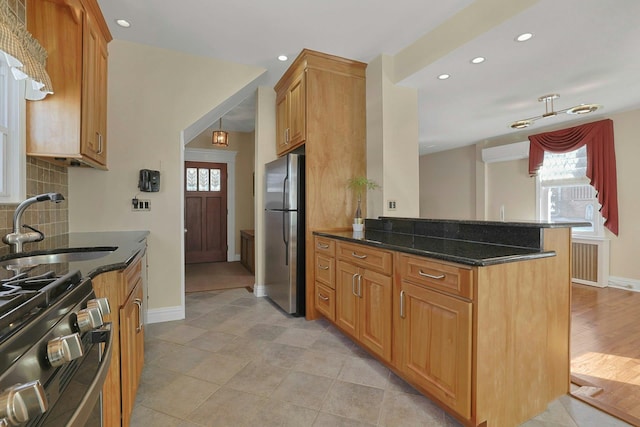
{"x":358,"y":227}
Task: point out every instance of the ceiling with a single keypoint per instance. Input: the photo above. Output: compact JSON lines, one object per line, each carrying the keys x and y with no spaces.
{"x":588,"y":51}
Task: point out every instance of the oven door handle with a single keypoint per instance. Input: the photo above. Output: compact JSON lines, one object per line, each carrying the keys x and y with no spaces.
{"x":103,"y":335}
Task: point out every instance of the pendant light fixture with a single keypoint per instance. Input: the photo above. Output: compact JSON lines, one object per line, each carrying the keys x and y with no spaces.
{"x":550,"y":112}
{"x":220,"y":138}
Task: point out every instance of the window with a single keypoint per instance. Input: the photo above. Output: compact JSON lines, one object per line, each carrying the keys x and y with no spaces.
{"x":203,"y":179}
{"x":565,"y":193}
{"x":12,"y":152}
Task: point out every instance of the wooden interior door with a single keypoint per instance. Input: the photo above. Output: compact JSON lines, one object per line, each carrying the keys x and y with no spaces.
{"x":205,"y":212}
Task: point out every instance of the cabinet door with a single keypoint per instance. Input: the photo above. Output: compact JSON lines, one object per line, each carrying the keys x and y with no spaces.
{"x":93,"y":142}
{"x":131,"y":349}
{"x":436,"y":345}
{"x":297,"y":101}
{"x":346,"y":297}
{"x":282,"y":121}
{"x":375,"y":292}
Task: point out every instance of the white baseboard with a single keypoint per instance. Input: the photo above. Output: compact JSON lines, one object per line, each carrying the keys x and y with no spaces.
{"x":166,"y":314}
{"x":624,"y":283}
{"x":259,"y":290}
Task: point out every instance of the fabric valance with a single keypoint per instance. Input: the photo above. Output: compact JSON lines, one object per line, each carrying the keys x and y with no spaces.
{"x":601,"y":160}
{"x":24,"y":54}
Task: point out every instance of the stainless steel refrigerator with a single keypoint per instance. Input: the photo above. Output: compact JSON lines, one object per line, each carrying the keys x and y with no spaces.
{"x":285,"y":239}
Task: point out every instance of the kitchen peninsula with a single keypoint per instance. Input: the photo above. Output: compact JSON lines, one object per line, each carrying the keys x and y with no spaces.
{"x":474,"y":314}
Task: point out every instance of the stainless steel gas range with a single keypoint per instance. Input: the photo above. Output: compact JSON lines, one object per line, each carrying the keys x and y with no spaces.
{"x":54,"y":349}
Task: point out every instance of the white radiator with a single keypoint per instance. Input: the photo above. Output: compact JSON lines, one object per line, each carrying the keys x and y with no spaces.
{"x":590,"y":262}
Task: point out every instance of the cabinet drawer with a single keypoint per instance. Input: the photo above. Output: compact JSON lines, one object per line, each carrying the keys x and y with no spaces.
{"x":444,"y":277}
{"x":326,"y":270}
{"x":326,"y":301}
{"x":325,"y":246}
{"x":366,"y":256}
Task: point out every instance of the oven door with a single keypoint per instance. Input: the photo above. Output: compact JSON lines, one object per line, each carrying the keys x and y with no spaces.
{"x":79,"y":402}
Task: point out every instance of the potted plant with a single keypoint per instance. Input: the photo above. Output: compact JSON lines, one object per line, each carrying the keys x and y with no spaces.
{"x":360,"y":184}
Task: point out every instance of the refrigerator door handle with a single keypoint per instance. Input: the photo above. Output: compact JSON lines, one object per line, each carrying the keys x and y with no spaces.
{"x":284,"y":237}
{"x":284,"y":192}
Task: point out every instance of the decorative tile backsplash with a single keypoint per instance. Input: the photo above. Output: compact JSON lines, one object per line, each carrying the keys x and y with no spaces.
{"x":50,"y":218}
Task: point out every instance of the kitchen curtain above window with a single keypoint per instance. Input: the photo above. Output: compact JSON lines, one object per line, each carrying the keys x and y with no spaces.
{"x":601,"y":160}
{"x":25,"y":56}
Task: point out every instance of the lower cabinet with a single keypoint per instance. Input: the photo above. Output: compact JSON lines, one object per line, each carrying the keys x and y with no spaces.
{"x":435,"y":344}
{"x":364,"y":306}
{"x":131,"y":349}
{"x":474,"y":339}
{"x":124,"y":289}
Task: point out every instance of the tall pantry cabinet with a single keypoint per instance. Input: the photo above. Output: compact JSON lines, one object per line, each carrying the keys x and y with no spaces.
{"x":321,"y":104}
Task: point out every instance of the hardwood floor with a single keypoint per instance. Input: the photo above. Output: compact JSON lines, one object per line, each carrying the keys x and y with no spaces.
{"x":605,"y":349}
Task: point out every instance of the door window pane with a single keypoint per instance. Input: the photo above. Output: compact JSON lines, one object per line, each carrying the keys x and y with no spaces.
{"x":192,"y":179}
{"x":215,"y":179}
{"x":203,"y":179}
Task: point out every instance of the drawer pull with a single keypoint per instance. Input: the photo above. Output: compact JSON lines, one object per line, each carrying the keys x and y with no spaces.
{"x":402,"y":304}
{"x":322,"y":297}
{"x":358,"y":256}
{"x":322,"y":246}
{"x":323,"y":267}
{"x":430,"y":276}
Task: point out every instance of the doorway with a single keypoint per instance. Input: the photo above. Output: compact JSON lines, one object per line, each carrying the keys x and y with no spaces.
{"x":205,"y":212}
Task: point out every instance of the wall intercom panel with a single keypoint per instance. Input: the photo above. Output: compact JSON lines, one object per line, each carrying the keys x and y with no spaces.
{"x":149,"y":180}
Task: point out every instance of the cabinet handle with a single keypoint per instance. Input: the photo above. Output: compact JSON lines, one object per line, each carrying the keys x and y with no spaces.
{"x":353,"y":284}
{"x":360,"y":285}
{"x":286,"y":136}
{"x":322,"y":297}
{"x":421,"y":273}
{"x":358,"y":256}
{"x":322,"y":246}
{"x":99,"y":143}
{"x":402,"y":304}
{"x":138,"y":302}
{"x":323,"y":267}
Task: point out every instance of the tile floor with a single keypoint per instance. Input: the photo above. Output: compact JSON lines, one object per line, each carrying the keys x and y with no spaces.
{"x":238,"y":361}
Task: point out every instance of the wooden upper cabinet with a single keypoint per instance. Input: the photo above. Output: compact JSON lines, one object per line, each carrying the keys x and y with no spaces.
{"x":291,"y":110}
{"x":69,"y":126}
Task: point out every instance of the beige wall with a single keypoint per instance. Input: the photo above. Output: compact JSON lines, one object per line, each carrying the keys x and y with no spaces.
{"x":392,"y":142}
{"x":624,"y":247}
{"x":154,"y":94}
{"x":243,"y":144}
{"x":445,"y":186}
{"x":509,"y":186}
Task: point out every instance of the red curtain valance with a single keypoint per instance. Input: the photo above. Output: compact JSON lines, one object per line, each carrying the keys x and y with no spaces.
{"x":601,"y":160}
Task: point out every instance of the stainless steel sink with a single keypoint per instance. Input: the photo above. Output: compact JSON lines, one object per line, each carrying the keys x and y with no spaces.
{"x":71,"y":255}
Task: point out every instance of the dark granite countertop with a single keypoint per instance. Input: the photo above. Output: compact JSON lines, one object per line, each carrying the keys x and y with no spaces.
{"x":469,"y":242}
{"x":459,"y":251}
{"x":124,"y":245}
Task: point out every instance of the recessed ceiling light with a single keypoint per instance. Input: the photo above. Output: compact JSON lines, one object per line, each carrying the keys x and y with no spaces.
{"x":282,"y":58}
{"x":478,"y":60}
{"x":123,"y":23}
{"x":444,"y":76}
{"x":524,"y":37}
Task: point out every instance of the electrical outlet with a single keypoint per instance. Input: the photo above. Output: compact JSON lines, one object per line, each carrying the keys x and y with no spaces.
{"x":138,"y":205}
{"x":392,"y":205}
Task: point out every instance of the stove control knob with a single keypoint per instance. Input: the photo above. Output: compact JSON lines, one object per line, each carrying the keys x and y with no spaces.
{"x":22,"y":402}
{"x":101,"y":303}
{"x":89,"y":318}
{"x":64,"y":349}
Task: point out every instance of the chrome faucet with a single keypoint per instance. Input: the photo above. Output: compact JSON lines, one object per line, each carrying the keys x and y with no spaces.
{"x":16,"y":239}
